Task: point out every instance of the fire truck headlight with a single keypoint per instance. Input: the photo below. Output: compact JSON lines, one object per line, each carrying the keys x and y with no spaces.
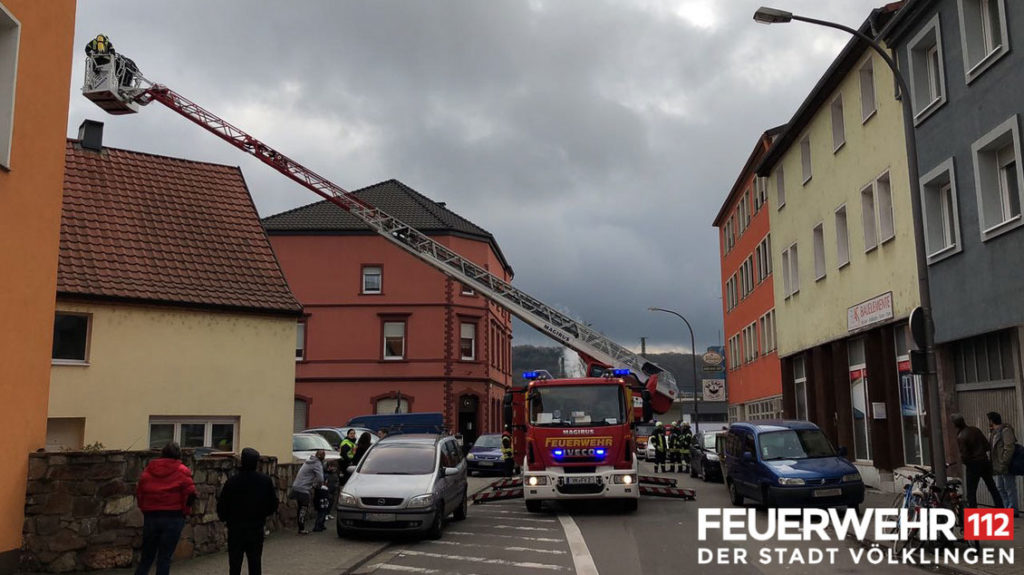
{"x":535,"y":480}
{"x":626,"y":479}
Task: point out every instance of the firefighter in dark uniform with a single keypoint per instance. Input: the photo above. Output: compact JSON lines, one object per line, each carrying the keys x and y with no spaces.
{"x":660,"y":448}
{"x":685,"y":444}
{"x":675,"y":448}
{"x":506,"y":453}
{"x":100,"y":45}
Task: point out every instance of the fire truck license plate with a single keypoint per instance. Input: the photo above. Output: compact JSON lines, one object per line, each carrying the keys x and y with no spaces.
{"x":581,"y":480}
{"x":828,"y":492}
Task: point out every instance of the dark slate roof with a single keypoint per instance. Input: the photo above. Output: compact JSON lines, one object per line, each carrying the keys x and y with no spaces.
{"x":755,"y":155}
{"x":153,"y":229}
{"x":393,"y":198}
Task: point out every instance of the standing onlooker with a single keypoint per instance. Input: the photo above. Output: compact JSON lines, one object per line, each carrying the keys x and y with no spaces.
{"x":362,"y":446}
{"x":382,"y":433}
{"x":974,"y":455}
{"x":1003,"y":441}
{"x":309,"y":477}
{"x":244,"y":503}
{"x":165,"y":493}
{"x":332,"y":480}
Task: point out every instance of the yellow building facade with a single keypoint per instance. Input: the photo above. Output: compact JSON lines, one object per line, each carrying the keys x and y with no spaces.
{"x":151,"y":370}
{"x":843,"y":255}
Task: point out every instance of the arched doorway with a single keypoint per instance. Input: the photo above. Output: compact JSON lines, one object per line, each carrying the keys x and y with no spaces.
{"x":469,"y":425}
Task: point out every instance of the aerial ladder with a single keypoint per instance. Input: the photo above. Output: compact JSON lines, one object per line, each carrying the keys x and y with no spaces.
{"x":116,"y":85}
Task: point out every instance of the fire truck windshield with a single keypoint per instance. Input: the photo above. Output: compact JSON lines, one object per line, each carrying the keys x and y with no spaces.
{"x":577,"y":405}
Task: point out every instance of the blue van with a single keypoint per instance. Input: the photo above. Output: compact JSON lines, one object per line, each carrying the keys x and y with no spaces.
{"x":394,"y":423}
{"x":788,"y":464}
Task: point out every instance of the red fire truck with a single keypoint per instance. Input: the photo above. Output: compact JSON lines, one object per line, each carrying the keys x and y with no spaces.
{"x":574,"y":437}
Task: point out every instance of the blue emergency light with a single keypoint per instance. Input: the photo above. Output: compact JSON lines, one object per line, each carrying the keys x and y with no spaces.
{"x":619,"y":372}
{"x":599,"y":452}
{"x":529,"y":375}
{"x":558,"y":453}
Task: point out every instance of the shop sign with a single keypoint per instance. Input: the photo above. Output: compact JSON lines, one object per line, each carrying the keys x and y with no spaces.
{"x":869,"y":312}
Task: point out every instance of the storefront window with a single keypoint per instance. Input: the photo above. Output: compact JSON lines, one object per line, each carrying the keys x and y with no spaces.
{"x":859,"y":400}
{"x":800,"y":388}
{"x":915,"y":447}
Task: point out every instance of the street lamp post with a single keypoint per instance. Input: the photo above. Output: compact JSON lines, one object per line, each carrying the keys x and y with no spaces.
{"x":696,"y":383}
{"x":775,"y":16}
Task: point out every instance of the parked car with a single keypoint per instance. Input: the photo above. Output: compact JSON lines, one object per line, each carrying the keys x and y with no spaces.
{"x":649,"y":449}
{"x":405,"y":483}
{"x":334,"y":435}
{"x":643,"y":433}
{"x":704,"y":461}
{"x":306,"y":444}
{"x":788,"y":464}
{"x":485,"y":455}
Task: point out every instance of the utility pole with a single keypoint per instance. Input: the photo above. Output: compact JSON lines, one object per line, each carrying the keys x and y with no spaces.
{"x":643,"y":346}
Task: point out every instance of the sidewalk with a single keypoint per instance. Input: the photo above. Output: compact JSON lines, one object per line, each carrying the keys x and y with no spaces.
{"x":882,"y":500}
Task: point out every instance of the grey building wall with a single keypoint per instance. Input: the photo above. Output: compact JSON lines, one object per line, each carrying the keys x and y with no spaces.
{"x":980,"y":289}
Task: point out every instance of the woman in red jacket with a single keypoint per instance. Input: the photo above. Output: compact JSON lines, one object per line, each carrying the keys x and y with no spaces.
{"x":165,"y":493}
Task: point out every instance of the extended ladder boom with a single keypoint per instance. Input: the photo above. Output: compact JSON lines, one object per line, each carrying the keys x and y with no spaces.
{"x":573,"y":334}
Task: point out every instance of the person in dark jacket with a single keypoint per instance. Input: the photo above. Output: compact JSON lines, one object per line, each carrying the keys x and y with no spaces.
{"x":1003,"y":442}
{"x":362,"y":446}
{"x":165,"y":493}
{"x":245,"y":502}
{"x":974,"y":455}
{"x":307,"y":481}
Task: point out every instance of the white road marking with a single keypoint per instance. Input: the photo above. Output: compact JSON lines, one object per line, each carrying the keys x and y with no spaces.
{"x":529,"y":549}
{"x":521,"y":528}
{"x":520,"y":564}
{"x":522,"y":537}
{"x":580,"y":554}
{"x":403,"y":568}
{"x":529,"y":519}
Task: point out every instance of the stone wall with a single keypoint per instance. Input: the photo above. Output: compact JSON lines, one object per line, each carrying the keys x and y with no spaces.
{"x":80,"y":510}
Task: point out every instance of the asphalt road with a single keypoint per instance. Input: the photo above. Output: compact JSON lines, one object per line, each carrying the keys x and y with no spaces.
{"x":661,"y":538}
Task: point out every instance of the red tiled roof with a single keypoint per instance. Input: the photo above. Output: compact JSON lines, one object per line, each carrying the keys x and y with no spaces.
{"x":164,"y":230}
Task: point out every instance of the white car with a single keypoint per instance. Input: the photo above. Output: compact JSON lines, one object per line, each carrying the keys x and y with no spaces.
{"x":649,"y":452}
{"x":306,"y":444}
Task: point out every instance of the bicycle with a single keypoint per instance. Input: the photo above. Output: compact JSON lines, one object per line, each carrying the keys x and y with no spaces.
{"x":929,"y":496}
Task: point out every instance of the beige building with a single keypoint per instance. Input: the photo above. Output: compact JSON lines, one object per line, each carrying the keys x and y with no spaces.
{"x":174,"y":321}
{"x":844,"y":262}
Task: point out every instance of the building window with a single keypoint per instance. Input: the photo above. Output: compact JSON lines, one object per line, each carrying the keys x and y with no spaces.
{"x":767,"y":322}
{"x":838,"y":127}
{"x":805,"y":157}
{"x":221,"y":433}
{"x":997,"y":178}
{"x":70,"y":338}
{"x":748,"y":197}
{"x":300,"y":341}
{"x":819,"y":252}
{"x":467,"y":341}
{"x":760,"y":193}
{"x":859,"y":399}
{"x":927,"y":75}
{"x":915,"y":448}
{"x":300,"y":415}
{"x":984,"y":359}
{"x":391,"y":405}
{"x":842,"y":237}
{"x":883,"y":197}
{"x":764,"y":259}
{"x":10,"y":36}
{"x":941,"y":220}
{"x":800,"y":388}
{"x":867,"y":90}
{"x":466,"y":290}
{"x":372,"y":280}
{"x":394,"y":340}
{"x":780,"y":186}
{"x":791,"y":270}
{"x":983,"y":33}
{"x":867,"y":210}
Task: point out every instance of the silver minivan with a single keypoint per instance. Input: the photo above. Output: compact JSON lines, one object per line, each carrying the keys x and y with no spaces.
{"x":405,"y":483}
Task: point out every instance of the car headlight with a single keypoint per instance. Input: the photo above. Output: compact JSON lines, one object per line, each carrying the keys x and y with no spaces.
{"x":420,"y":501}
{"x":470,"y":456}
{"x":851,"y":477}
{"x":626,"y":479}
{"x":348,"y":499}
{"x":534,"y":480}
{"x":790,"y":481}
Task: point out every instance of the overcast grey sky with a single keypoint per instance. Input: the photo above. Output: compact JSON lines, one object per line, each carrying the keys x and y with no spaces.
{"x":596,"y":139}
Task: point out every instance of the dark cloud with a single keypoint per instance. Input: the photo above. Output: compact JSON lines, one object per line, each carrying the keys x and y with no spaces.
{"x":595,"y":139}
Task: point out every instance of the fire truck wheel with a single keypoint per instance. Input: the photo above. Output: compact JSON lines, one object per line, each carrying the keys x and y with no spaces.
{"x":630,"y":505}
{"x":533,"y":505}
{"x":460,"y":511}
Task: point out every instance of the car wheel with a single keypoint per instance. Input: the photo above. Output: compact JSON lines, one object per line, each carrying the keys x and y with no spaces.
{"x":766,"y":501}
{"x":734,"y":494}
{"x":533,"y":505}
{"x":437,"y":527}
{"x":704,"y":472}
{"x":462,"y":509}
{"x":342,"y":532}
{"x":630,"y":505}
